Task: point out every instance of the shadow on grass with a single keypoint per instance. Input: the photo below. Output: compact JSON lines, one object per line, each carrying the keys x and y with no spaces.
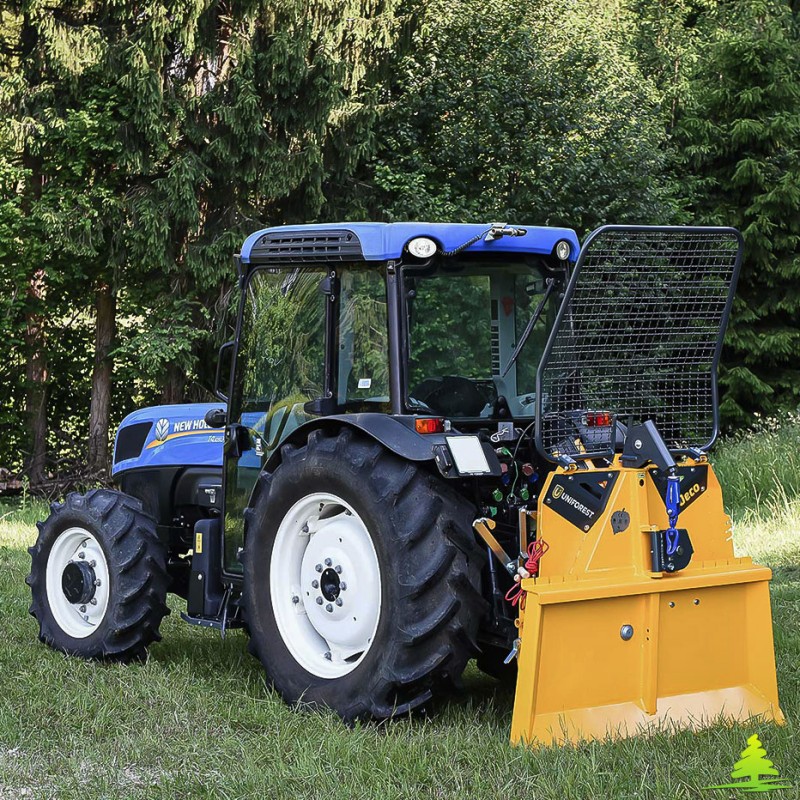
{"x":202,"y":653}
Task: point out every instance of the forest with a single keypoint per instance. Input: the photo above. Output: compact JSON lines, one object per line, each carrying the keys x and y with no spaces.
{"x":141,"y":141}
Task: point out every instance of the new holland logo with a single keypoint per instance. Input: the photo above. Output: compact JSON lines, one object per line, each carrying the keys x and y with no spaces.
{"x":557,"y":492}
{"x":162,"y":429}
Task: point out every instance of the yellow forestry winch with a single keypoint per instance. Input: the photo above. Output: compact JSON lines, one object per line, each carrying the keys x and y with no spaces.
{"x":634,"y":612}
{"x":610,"y":647}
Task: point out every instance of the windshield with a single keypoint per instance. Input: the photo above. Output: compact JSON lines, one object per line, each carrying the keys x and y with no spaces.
{"x":465,"y":319}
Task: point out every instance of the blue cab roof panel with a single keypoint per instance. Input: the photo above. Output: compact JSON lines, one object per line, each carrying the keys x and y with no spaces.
{"x":380,"y":241}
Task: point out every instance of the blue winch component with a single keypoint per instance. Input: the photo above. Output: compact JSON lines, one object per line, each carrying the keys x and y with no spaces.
{"x":673,"y":503}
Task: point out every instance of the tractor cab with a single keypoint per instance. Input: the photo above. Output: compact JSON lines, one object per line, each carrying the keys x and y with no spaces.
{"x":438,"y":326}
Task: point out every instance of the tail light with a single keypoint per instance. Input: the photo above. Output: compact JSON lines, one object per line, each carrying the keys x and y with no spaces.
{"x":429,"y":425}
{"x":598,"y":419}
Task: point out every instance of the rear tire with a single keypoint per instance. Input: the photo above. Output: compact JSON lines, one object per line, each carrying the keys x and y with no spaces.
{"x":98,"y":577}
{"x":418,"y":597}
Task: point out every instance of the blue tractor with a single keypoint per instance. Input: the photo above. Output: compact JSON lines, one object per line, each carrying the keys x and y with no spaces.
{"x":394,"y":408}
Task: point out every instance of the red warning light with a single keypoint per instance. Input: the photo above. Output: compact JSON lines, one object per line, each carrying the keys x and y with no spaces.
{"x":598,"y":419}
{"x":429,"y":425}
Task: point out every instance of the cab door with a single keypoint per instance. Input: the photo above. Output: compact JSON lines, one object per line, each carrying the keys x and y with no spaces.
{"x":279,"y":367}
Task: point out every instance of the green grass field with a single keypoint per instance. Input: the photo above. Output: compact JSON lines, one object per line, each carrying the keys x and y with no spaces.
{"x":198,"y":721}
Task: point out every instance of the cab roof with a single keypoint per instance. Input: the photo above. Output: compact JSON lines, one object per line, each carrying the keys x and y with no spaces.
{"x":381,"y":241}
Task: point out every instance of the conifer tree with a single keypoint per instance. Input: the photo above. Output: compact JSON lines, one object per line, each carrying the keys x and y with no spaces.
{"x":739,"y":137}
{"x":147,"y":139}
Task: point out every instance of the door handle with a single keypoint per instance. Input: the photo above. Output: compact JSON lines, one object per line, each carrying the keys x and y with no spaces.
{"x":237,"y":440}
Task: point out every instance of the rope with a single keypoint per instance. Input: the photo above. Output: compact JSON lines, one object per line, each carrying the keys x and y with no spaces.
{"x":535,"y":552}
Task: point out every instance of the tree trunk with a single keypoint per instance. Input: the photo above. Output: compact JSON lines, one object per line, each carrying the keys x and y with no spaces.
{"x":36,"y":380}
{"x":174,"y":385}
{"x":100,"y":407}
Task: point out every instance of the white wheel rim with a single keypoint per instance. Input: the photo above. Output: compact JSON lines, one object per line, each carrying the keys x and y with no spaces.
{"x":319,"y":534}
{"x":78,"y":619}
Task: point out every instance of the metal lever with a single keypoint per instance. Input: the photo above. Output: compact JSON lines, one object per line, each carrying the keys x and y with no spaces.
{"x":514,"y":652}
{"x":673,"y":505}
{"x":483,"y":527}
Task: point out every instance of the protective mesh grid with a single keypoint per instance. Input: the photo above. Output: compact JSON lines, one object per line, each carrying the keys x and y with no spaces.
{"x":639,"y":337}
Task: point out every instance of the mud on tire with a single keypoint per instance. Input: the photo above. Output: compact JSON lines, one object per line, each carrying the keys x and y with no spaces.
{"x":430,"y":568}
{"x":99,"y":546}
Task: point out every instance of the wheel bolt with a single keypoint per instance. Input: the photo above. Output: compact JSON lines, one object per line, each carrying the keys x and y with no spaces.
{"x":319,"y":601}
{"x":295,"y":599}
{"x":338,"y":601}
{"x":315,"y":584}
{"x":338,"y":569}
{"x":318,"y":568}
{"x":83,"y":608}
{"x":93,"y":601}
{"x":97,"y":582}
{"x":328,"y":562}
{"x":305,"y":528}
{"x":81,"y":555}
{"x":329,"y":608}
{"x":342,"y":585}
{"x":92,"y":563}
{"x":328,"y":656}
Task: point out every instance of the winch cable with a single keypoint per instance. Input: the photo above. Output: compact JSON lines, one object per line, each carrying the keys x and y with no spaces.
{"x":673,"y":503}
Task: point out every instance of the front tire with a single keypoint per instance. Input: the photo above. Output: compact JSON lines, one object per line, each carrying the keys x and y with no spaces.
{"x":362,"y":579}
{"x":98,"y":577}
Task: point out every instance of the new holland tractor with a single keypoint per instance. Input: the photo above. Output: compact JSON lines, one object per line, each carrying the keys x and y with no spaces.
{"x":439,"y":442}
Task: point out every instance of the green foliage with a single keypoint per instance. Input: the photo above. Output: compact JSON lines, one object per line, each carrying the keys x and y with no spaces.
{"x":739,"y":136}
{"x":530,"y":111}
{"x":138,"y":146}
{"x":140,"y":143}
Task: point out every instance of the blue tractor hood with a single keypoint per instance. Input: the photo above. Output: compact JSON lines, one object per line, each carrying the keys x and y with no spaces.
{"x":163,"y":436}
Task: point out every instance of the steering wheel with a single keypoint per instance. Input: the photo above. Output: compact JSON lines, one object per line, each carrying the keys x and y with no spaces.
{"x":452,"y":396}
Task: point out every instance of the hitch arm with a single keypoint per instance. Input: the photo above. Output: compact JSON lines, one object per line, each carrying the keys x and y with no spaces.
{"x":483,"y":527}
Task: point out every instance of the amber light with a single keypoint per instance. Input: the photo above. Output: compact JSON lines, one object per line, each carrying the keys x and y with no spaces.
{"x":429,"y":425}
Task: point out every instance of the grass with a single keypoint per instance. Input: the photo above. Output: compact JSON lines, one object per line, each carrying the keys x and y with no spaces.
{"x":198,"y":721}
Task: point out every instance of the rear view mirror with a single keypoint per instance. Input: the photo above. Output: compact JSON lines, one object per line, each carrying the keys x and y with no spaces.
{"x":216,"y":418}
{"x":224,"y":355}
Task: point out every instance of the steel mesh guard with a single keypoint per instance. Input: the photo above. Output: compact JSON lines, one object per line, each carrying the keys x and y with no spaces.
{"x":639,"y":334}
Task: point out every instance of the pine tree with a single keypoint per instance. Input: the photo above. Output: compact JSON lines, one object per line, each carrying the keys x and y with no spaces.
{"x":752,"y":765}
{"x":140,"y":143}
{"x":740,"y":134}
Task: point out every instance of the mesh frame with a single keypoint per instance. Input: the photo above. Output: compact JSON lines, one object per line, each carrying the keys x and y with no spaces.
{"x":639,"y":333}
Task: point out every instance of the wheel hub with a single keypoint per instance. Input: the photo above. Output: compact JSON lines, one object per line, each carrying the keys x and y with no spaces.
{"x":330,"y":585}
{"x":78,"y":582}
